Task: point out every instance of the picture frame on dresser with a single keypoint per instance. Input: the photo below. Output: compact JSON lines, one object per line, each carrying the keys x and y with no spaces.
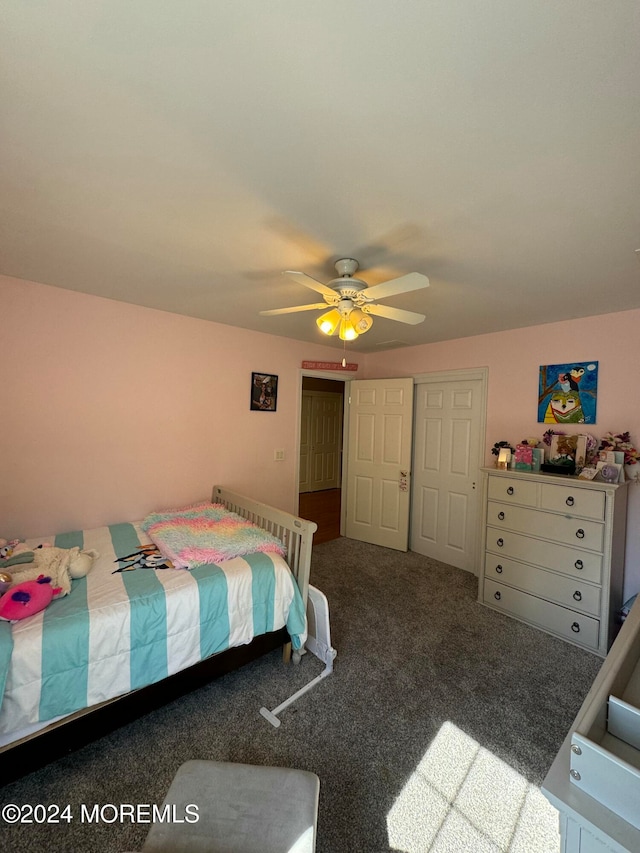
{"x":553,"y":554}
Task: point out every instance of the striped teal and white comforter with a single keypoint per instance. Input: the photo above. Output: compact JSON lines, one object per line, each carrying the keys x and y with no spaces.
{"x":118,"y":632}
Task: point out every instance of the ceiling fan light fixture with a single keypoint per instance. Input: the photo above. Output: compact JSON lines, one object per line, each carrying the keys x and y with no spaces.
{"x":329,"y":322}
{"x":361,"y":322}
{"x":352,"y":302}
{"x":347,"y":330}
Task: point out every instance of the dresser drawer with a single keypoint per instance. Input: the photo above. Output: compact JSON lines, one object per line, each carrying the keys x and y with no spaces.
{"x":583,"y":502}
{"x":561,"y":558}
{"x":558,"y":588}
{"x":512,"y":490}
{"x":573,"y":626}
{"x":559,"y":528}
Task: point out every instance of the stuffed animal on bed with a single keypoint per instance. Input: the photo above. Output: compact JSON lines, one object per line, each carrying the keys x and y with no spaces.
{"x":27,"y":598}
{"x":5,"y":582}
{"x":61,"y":564}
{"x":7,"y":547}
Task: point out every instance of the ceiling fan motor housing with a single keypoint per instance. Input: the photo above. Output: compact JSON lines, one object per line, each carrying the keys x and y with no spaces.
{"x":346,"y":266}
{"x":347,"y":286}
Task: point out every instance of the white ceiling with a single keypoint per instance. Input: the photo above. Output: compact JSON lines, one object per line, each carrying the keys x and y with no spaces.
{"x":180,"y":153}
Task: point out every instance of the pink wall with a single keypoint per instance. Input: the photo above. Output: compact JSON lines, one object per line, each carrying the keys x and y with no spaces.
{"x":112,"y":410}
{"x":513,"y":359}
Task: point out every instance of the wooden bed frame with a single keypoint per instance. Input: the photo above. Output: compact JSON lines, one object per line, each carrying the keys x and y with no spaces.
{"x":82,"y":727}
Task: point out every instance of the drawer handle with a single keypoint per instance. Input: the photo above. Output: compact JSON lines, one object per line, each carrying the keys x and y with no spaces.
{"x":510,"y":490}
{"x":497,"y":596}
{"x":580,"y":533}
{"x":577,"y":595}
{"x":501,"y":516}
{"x":500,"y":543}
{"x":570,"y":501}
{"x":575,"y":628}
{"x":579,"y":564}
{"x":499,"y":569}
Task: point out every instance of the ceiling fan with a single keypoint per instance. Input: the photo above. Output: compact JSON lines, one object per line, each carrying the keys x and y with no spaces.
{"x":352,"y":302}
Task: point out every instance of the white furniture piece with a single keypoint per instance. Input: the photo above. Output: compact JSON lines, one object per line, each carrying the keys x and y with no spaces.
{"x":239,"y":808}
{"x":554,"y":553}
{"x":594,"y":780}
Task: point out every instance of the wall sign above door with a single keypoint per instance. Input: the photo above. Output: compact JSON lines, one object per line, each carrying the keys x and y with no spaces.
{"x":329,"y":365}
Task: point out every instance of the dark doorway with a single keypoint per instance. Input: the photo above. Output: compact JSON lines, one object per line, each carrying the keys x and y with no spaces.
{"x":324,"y":509}
{"x":316,"y":503}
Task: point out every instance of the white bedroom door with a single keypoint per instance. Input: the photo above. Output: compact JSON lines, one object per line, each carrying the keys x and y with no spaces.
{"x":379,"y":461}
{"x":449,"y":426}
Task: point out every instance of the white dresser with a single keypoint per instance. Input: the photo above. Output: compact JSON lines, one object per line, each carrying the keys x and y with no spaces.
{"x":554,"y":553}
{"x":594,"y":780}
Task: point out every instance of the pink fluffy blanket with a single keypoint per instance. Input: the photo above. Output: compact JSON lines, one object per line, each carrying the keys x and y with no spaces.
{"x":206,"y":533}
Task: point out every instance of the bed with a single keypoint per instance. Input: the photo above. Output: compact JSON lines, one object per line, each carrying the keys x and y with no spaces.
{"x":98,"y":658}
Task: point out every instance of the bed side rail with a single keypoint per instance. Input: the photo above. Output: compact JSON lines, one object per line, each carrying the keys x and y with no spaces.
{"x":296,"y":533}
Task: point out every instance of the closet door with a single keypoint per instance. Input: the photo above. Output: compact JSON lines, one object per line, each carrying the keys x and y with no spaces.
{"x":445,"y":499}
{"x":320,"y":441}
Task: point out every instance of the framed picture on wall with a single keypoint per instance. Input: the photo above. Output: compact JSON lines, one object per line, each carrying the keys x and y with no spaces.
{"x":568,"y":393}
{"x":264,"y":392}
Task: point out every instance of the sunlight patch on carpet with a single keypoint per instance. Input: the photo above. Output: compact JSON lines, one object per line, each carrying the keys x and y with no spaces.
{"x":461,"y":797}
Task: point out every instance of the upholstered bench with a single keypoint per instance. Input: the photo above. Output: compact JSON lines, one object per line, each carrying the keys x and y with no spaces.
{"x":240,"y":809}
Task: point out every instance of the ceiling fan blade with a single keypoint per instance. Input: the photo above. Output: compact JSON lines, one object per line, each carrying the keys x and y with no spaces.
{"x":411,"y":281}
{"x":307,"y":281}
{"x":399,"y":314}
{"x":314,"y":307}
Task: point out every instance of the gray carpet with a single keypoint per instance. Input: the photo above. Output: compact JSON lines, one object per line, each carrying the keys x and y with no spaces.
{"x":420,"y":665}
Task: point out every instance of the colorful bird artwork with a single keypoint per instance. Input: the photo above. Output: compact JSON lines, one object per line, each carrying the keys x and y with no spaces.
{"x":567,"y":393}
{"x":564,"y":408}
